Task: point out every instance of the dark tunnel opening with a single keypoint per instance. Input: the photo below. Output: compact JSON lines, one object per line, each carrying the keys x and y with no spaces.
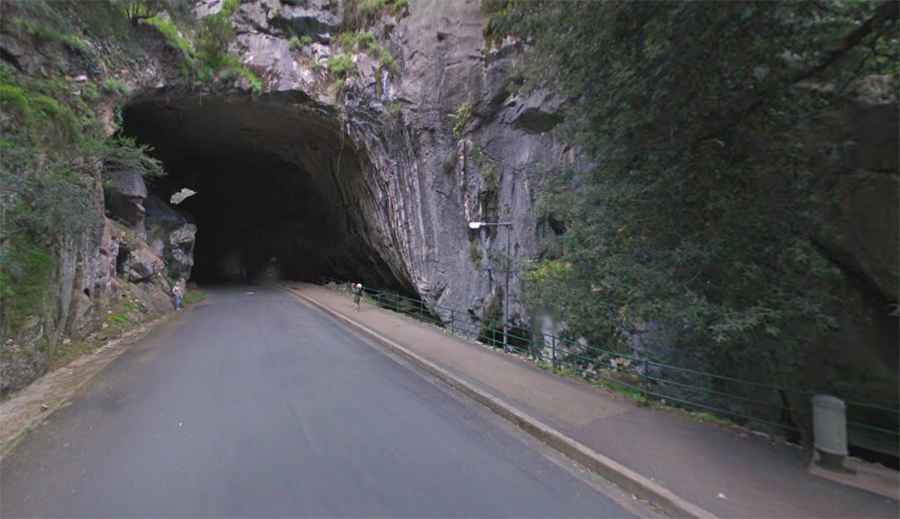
{"x":279,"y":190}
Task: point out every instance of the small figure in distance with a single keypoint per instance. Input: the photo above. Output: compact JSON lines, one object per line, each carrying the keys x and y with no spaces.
{"x":178,"y":292}
{"x":357,"y":294}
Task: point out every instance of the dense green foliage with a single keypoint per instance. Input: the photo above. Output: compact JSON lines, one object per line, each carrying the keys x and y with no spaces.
{"x":696,"y":213}
{"x":48,"y":33}
{"x":340,"y":65}
{"x":53,"y":148}
{"x":203,"y":46}
{"x":25,"y":279}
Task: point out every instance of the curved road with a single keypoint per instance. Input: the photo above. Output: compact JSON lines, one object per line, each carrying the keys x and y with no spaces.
{"x":256,"y":405}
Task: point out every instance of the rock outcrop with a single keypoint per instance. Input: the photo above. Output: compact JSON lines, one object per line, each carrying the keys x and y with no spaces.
{"x":423,"y":181}
{"x":171,"y":236}
{"x":125,"y":192}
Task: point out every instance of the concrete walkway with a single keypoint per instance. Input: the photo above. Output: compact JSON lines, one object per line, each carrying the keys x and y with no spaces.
{"x":727,"y":472}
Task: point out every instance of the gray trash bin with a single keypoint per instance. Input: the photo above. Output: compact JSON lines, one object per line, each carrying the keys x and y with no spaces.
{"x":830,"y":431}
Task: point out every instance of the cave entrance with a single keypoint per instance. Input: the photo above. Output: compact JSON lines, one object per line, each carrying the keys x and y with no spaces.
{"x":279,"y":189}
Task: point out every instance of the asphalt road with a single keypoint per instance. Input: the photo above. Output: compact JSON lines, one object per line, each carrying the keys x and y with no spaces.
{"x":256,"y":405}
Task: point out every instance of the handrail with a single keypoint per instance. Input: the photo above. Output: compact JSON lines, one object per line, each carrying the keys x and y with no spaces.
{"x":586,"y":359}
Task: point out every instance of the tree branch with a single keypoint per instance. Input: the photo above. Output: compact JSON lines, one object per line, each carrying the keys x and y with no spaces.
{"x":888,"y":11}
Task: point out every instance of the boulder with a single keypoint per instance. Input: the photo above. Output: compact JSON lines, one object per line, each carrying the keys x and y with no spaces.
{"x":536,"y":113}
{"x":142,"y":264}
{"x":316,"y":18}
{"x":125,"y":192}
{"x":171,"y":235}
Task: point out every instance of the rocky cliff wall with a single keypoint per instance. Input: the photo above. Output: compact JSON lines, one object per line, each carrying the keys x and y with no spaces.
{"x":444,"y":138}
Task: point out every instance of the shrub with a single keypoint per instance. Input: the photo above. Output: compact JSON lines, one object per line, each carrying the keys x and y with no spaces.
{"x":340,"y":65}
{"x":173,"y":38}
{"x":400,"y":6}
{"x":115,"y":86}
{"x":214,"y":36}
{"x":212,"y":56}
{"x":26,"y":271}
{"x":125,"y":154}
{"x":371,"y":7}
{"x":136,"y":10}
{"x":296,"y":43}
{"x":354,"y":40}
{"x":365,"y":41}
{"x":89,"y":91}
{"x":233,"y":66}
{"x":56,"y":117}
{"x":460,"y":118}
{"x":13,"y":98}
{"x":47,"y":33}
{"x":385,"y":58}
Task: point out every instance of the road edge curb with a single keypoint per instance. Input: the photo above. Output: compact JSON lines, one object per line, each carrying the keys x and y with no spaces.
{"x":606,"y":467}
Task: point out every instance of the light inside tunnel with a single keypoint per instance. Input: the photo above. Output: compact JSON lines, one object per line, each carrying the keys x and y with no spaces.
{"x":279,"y":189}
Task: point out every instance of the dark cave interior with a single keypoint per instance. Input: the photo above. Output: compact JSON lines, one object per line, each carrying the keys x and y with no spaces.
{"x":278,"y":194}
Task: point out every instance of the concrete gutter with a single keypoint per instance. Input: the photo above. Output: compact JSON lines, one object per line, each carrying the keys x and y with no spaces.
{"x":624,"y":477}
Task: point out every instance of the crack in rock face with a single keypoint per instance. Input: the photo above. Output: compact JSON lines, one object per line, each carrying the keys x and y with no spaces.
{"x":281,"y":189}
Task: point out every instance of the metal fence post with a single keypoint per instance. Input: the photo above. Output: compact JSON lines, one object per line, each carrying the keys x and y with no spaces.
{"x":644,"y":375}
{"x":553,"y":347}
{"x":452,"y":320}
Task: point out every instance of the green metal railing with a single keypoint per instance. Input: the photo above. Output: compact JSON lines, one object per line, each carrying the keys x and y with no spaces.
{"x":741,"y":401}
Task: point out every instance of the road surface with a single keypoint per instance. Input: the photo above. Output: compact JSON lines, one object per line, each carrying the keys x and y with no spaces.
{"x":255,"y":405}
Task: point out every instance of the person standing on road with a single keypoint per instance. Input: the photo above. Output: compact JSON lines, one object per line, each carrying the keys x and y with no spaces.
{"x":357,"y":294}
{"x":178,"y":292}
